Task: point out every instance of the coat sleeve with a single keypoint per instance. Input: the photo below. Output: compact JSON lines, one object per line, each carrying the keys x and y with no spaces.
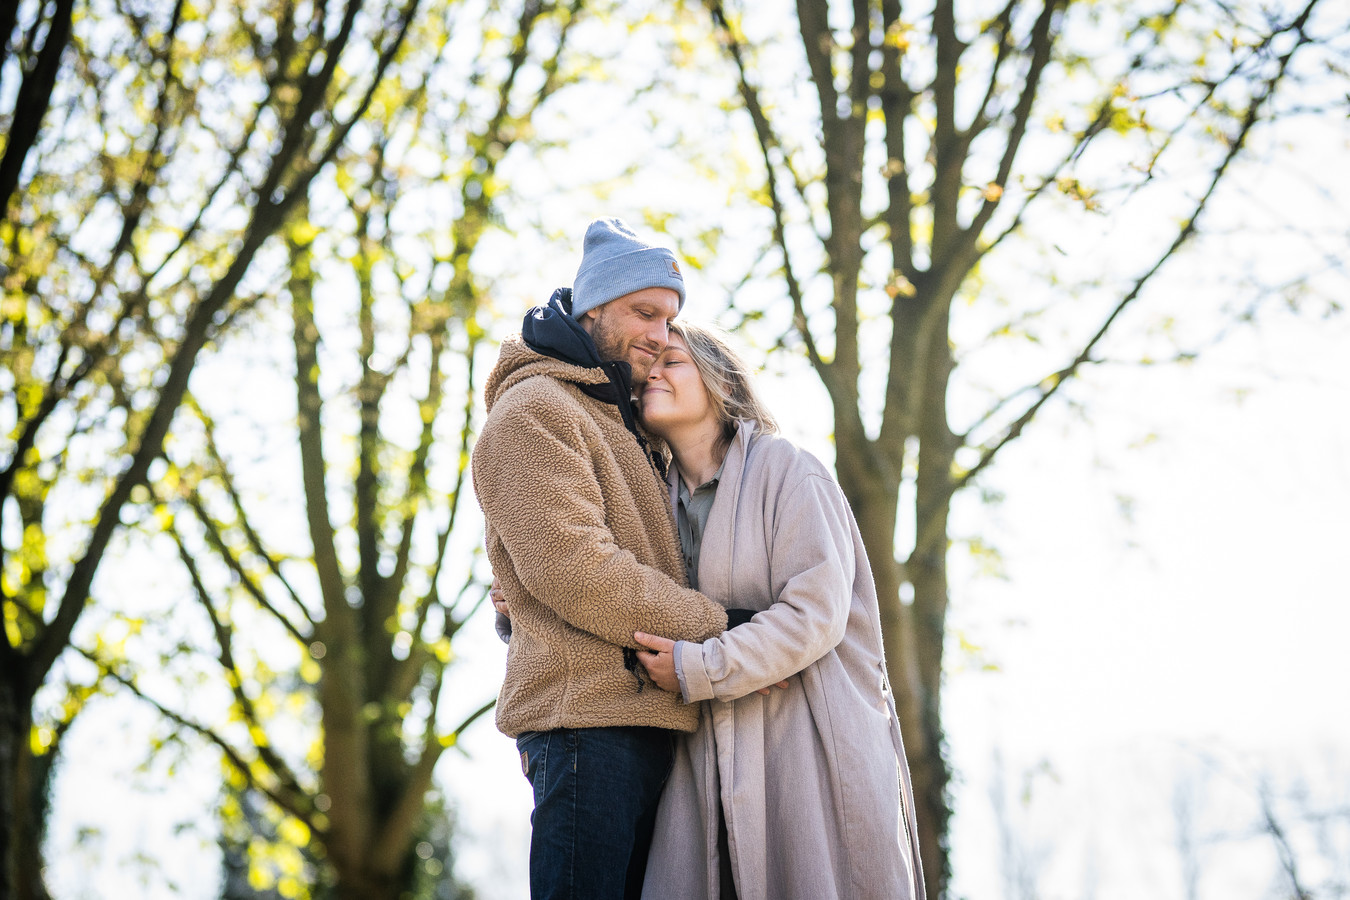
{"x":812,"y":543}
{"x":540,"y":494}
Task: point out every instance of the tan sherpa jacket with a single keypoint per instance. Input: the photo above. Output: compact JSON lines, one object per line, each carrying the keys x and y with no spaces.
{"x":580,"y":535}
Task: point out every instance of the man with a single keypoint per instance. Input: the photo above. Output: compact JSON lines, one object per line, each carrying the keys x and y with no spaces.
{"x":580,"y":538}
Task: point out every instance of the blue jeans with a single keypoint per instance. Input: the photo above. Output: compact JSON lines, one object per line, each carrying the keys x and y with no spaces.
{"x":595,"y":797}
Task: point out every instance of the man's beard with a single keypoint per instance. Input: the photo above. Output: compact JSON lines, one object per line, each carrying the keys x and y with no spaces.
{"x":610,"y":345}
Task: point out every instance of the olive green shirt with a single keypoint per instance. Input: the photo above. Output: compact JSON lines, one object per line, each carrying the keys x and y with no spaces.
{"x":691,"y":515}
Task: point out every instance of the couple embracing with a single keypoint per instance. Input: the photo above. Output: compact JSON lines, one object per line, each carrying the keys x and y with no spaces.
{"x":695,"y":677}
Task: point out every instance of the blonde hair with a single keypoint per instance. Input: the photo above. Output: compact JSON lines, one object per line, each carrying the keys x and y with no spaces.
{"x":726,"y":378}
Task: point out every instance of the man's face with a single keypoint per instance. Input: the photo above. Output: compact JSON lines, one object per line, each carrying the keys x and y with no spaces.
{"x":633,"y":328}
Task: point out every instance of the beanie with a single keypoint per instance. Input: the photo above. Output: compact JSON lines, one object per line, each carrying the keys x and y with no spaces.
{"x":614,"y":262}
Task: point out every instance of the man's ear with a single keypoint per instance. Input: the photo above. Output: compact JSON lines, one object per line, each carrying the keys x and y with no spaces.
{"x":587,"y":319}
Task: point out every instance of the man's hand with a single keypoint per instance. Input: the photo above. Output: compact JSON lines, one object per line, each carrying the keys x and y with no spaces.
{"x":659,"y":661}
{"x":498,"y":601}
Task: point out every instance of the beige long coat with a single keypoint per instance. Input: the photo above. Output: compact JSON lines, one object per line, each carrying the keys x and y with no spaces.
{"x":814,"y":780}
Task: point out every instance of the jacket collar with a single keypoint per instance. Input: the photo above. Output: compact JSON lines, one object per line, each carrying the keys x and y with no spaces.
{"x":550,"y":330}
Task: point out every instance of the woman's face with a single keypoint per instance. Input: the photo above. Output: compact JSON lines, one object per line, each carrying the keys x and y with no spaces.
{"x":674,"y":397}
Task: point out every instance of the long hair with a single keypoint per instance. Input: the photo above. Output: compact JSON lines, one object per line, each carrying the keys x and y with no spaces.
{"x":726,"y":378}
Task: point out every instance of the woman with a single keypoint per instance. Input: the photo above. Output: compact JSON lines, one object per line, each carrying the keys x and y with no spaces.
{"x":803,"y":792}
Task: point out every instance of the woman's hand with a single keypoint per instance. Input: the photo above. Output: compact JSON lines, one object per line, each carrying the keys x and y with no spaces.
{"x":659,"y":661}
{"x":498,"y":601}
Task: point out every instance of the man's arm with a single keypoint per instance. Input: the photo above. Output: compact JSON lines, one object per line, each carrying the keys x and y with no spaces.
{"x":542,"y":498}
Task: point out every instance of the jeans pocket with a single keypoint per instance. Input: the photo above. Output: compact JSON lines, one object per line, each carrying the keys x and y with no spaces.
{"x":533,"y":748}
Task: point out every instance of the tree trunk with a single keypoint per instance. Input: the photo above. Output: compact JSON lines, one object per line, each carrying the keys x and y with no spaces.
{"x":930,"y":769}
{"x":917,"y":691}
{"x":354,"y":885}
{"x":20,"y":834}
{"x":913,"y":632}
{"x":927,"y":573}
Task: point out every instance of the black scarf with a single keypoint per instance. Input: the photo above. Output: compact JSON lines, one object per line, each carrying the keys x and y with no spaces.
{"x":551,"y":331}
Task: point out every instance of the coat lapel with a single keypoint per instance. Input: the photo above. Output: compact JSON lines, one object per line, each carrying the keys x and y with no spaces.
{"x":742,"y":788}
{"x":718,"y":549}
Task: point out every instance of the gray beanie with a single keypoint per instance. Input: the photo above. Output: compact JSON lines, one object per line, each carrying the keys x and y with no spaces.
{"x":615,"y":262}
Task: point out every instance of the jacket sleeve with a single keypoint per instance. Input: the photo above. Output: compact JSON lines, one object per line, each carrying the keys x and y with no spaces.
{"x":539,"y":491}
{"x":812,"y":542}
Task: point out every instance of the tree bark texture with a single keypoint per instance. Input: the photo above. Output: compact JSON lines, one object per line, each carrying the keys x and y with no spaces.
{"x":20,"y":798}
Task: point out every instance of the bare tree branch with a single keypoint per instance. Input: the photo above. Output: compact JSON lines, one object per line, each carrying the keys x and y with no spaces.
{"x":1042,"y":41}
{"x":297,"y":804}
{"x":216,"y":540}
{"x":276,"y":766}
{"x":767,"y":141}
{"x":34,"y":96}
{"x":1053,"y":382}
{"x":255,"y":543}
